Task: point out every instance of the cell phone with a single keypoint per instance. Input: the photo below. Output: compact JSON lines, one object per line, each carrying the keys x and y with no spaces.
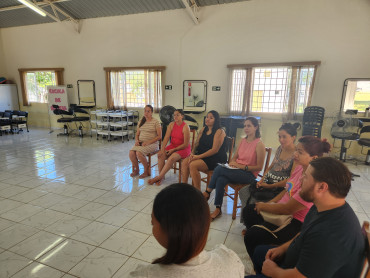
{"x":140,"y":143}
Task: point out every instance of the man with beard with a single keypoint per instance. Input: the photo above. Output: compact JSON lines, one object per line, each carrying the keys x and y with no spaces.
{"x":330,"y":243}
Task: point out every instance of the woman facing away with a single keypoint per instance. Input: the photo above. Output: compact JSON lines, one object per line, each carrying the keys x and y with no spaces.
{"x":276,"y":176}
{"x":245,"y":164}
{"x":181,"y":221}
{"x":179,"y":148}
{"x":288,"y":202}
{"x":209,"y":150}
{"x":147,"y":136}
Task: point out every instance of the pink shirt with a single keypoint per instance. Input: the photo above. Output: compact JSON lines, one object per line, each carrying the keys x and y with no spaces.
{"x":247,"y":154}
{"x":293,"y":186}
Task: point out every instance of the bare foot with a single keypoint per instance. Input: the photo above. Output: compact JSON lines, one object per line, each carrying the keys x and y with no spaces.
{"x":154,"y":180}
{"x":216,"y":213}
{"x":158,"y":183}
{"x":244,"y":232}
{"x":143,"y":175}
{"x":134,"y":174}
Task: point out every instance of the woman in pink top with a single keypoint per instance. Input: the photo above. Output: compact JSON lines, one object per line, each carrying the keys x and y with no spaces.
{"x":245,"y":164}
{"x":179,"y":147}
{"x":287,"y":202}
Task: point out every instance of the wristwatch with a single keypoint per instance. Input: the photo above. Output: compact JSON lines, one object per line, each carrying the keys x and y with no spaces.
{"x":246,"y":168}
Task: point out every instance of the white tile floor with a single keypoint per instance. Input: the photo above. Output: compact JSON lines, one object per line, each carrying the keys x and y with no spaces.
{"x":68,"y":208}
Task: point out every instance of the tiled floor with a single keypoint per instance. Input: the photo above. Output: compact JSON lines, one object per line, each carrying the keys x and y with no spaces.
{"x":68,"y":208}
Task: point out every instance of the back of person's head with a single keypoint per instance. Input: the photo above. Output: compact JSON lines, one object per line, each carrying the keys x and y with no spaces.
{"x":334,"y":173}
{"x":255,"y":123}
{"x":184,"y":217}
{"x":314,"y":146}
{"x":217,"y":122}
{"x":289,"y":128}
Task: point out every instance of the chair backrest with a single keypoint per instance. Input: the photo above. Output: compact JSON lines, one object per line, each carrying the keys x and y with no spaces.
{"x":365,"y":129}
{"x":366,"y":233}
{"x":267,"y":160}
{"x":313,"y":118}
{"x":192,"y":138}
{"x":229,"y":141}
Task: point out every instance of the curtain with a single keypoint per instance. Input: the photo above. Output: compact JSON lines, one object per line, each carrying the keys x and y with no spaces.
{"x":117,"y":87}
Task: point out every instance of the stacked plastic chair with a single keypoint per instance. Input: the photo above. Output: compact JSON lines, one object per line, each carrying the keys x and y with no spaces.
{"x":313,"y":118}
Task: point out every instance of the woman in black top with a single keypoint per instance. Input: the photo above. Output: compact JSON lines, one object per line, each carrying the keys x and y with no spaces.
{"x":209,"y":150}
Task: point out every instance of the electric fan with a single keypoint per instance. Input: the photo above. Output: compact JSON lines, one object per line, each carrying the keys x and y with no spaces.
{"x":166,"y":116}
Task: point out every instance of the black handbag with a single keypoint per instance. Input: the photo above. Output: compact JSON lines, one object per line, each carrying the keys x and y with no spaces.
{"x":261,"y":194}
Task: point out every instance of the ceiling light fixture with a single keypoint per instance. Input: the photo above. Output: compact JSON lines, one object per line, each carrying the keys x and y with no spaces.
{"x":33,"y":7}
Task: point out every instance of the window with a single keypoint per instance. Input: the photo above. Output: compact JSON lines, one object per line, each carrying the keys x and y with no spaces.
{"x":34,"y":83}
{"x":356,"y":94}
{"x":271,"y":88}
{"x":134,"y":87}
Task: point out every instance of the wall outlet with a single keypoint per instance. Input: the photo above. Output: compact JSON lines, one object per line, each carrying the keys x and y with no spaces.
{"x":168,"y":87}
{"x":69,"y":86}
{"x":216,"y":88}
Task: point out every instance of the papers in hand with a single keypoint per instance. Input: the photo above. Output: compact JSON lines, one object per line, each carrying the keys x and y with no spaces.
{"x":226,"y":165}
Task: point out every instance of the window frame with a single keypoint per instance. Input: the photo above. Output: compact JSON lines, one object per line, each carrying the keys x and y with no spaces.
{"x":59,"y":80}
{"x":246,"y":104}
{"x":108,"y":72}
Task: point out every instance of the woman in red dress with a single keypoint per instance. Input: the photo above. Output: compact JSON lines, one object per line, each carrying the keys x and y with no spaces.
{"x":179,"y":148}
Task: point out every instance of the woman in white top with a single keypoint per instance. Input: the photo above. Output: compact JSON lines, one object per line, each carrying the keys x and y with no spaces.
{"x":181,"y":220}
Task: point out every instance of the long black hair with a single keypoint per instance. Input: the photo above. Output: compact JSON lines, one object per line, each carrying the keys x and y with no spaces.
{"x":184,"y":217}
{"x":143,"y":119}
{"x":217,"y":122}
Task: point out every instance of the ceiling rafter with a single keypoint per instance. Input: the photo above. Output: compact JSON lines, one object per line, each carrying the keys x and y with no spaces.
{"x":56,"y":11}
{"x":192,"y":9}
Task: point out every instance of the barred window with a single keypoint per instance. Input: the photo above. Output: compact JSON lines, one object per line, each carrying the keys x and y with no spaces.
{"x":271,"y":88}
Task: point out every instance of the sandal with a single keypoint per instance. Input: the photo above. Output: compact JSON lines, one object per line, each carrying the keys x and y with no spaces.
{"x":207,"y":194}
{"x":218,"y":215}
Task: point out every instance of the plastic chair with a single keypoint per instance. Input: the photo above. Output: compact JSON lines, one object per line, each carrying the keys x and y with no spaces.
{"x":313,"y":118}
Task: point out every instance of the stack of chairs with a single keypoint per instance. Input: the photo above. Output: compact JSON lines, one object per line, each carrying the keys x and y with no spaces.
{"x":13,"y":121}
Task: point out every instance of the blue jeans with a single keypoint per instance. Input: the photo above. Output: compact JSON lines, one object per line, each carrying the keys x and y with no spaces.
{"x":222,"y":176}
{"x":258,"y":259}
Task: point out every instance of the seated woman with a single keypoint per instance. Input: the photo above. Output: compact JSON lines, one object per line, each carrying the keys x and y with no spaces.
{"x":147,"y":136}
{"x":209,"y":150}
{"x":179,"y":148}
{"x":245,"y":164}
{"x":273,"y":182}
{"x":288,"y":202}
{"x":180,"y":220}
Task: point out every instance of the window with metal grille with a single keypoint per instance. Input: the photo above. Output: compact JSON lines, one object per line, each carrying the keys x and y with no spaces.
{"x":271,"y":88}
{"x":134,"y":87}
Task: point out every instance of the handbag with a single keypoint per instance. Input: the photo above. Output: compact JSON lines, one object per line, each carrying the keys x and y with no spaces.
{"x":280,"y":220}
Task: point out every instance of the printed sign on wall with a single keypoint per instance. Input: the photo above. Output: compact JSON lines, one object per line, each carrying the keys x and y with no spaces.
{"x":57,"y":95}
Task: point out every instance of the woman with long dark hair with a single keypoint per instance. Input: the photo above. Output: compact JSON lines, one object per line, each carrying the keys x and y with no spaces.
{"x":148,"y":134}
{"x":181,"y":221}
{"x":209,"y":150}
{"x":244,"y":166}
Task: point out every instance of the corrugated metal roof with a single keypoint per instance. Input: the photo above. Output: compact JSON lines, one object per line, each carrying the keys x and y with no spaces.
{"x":83,"y":9}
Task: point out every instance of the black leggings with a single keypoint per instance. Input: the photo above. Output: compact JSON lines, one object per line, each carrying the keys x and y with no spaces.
{"x":258,"y":236}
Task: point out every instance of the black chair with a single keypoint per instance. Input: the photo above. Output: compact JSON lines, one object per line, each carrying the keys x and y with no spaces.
{"x":19,"y":120}
{"x":5,"y":122}
{"x":80,"y":119}
{"x":313,"y":118}
{"x":64,"y":120}
{"x":365,"y":142}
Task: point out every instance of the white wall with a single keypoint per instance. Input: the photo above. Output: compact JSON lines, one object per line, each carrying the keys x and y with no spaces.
{"x":335,"y":32}
{"x":2,"y":60}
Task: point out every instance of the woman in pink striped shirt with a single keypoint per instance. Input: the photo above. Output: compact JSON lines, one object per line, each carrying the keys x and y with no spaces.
{"x":245,"y":164}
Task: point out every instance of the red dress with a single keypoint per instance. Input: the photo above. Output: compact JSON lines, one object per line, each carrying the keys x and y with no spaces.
{"x":177,"y":139}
